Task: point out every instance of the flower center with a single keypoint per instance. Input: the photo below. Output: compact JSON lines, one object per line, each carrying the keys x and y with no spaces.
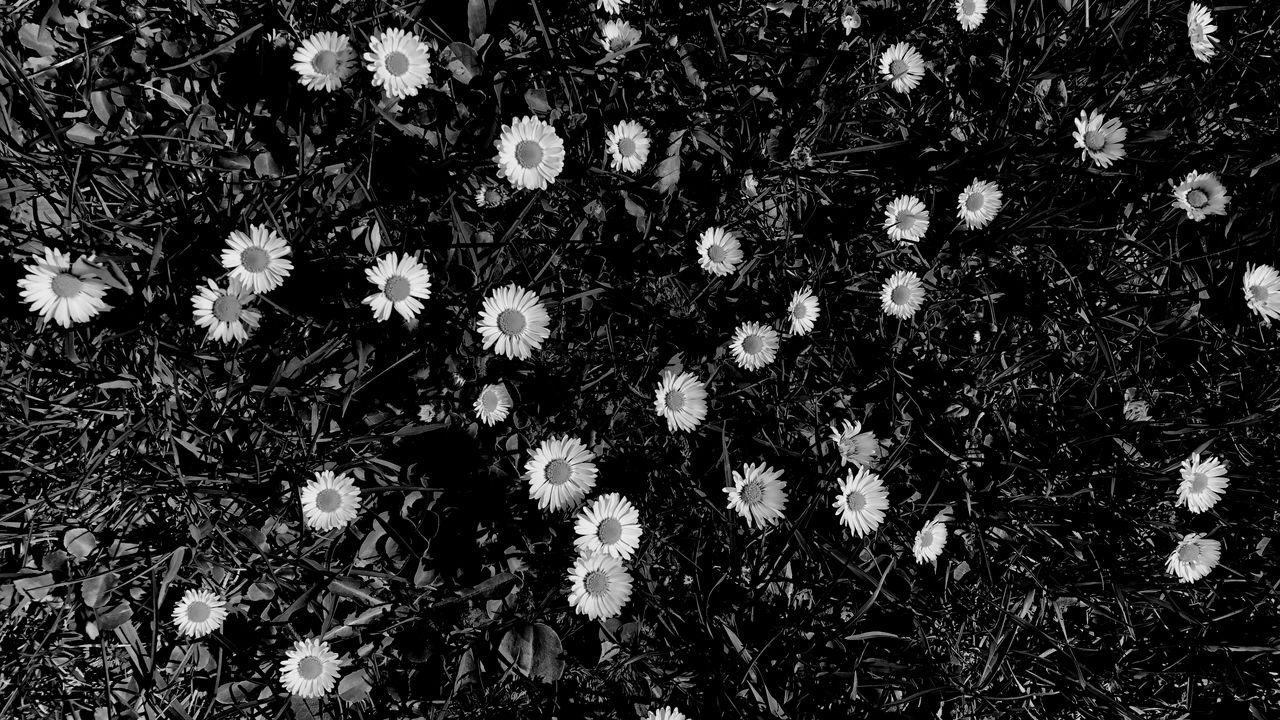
{"x":716,"y":253}
{"x":609,"y":531}
{"x":557,"y":472}
{"x":511,"y":322}
{"x":898,"y":68}
{"x":1197,"y":34}
{"x":618,"y":43}
{"x":855,"y":501}
{"x":967,"y":7}
{"x":198,"y":611}
{"x":528,"y":154}
{"x":974,"y":202}
{"x":325,"y":62}
{"x":799,"y":311}
{"x":1197,"y":199}
{"x":328,"y":500}
{"x":752,"y":344}
{"x":900,"y":295}
{"x":626,"y":147}
{"x":906,"y":221}
{"x":1259,"y":293}
{"x":396,"y":288}
{"x":674,"y":401}
{"x":1189,"y":553}
{"x":397,"y":63}
{"x":596,"y":582}
{"x":1199,"y":482}
{"x":926,"y":538}
{"x":309,"y":667}
{"x":66,"y":285}
{"x":1094,"y":140}
{"x":493,"y":197}
{"x":489,"y":401}
{"x":752,"y":493}
{"x":227,"y":309}
{"x":254,"y":259}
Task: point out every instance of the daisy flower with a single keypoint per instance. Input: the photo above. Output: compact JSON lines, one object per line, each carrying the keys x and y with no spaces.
{"x":929,"y":541}
{"x":530,"y":153}
{"x":399,"y":61}
{"x":560,"y":473}
{"x":330,"y":501}
{"x":1262,"y":291}
{"x":310,"y":668}
{"x":1099,"y":138}
{"x":225,"y":312}
{"x":601,"y":586}
{"x":490,"y":196}
{"x":971,"y":13}
{"x":902,"y":294}
{"x":1201,"y":195}
{"x":754,"y":345}
{"x":1203,"y":481}
{"x":609,"y":525}
{"x":323,"y":61}
{"x":1200,"y":29}
{"x":682,"y":400}
{"x":618,"y":35}
{"x":493,"y":405}
{"x":1194,"y":557}
{"x":199,"y":613}
{"x":257,"y":259}
{"x":862,"y":502}
{"x":902,"y":66}
{"x":719,"y":251}
{"x":59,"y":293}
{"x":513,"y":322}
{"x":979,"y":203}
{"x":803,"y":311}
{"x":400,"y":281}
{"x":628,"y":146}
{"x":613,"y":7}
{"x":906,"y":219}
{"x":758,"y":495}
{"x":855,"y":447}
{"x":666,"y":713}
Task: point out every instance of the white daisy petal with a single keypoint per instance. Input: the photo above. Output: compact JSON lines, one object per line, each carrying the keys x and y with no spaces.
{"x":857,"y":448}
{"x":224,"y":312}
{"x":1201,"y":195}
{"x":1099,"y":138}
{"x":628,"y":146}
{"x":400,"y":281}
{"x":1200,"y":29}
{"x":902,"y":66}
{"x":754,"y":345}
{"x":1203,"y":483}
{"x":1262,"y":291}
{"x":803,"y":311}
{"x":979,"y":203}
{"x":971,"y":13}
{"x":257,"y":260}
{"x":906,"y":219}
{"x":928,"y":543}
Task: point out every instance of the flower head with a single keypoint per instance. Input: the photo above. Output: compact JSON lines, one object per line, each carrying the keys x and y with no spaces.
{"x":618,"y":35}
{"x":855,"y":447}
{"x":1194,"y":557}
{"x":902,"y":294}
{"x":971,"y":13}
{"x":324,"y":61}
{"x":1203,"y":482}
{"x":400,"y":62}
{"x":330,"y":501}
{"x":613,"y":7}
{"x":628,"y":146}
{"x":530,"y":153}
{"x":906,"y":219}
{"x":610,"y":525}
{"x":979,"y":203}
{"x":401,"y":281}
{"x":758,"y":495}
{"x":199,"y":613}
{"x":1200,"y":29}
{"x":861,"y":502}
{"x":224,"y":312}
{"x":257,"y":260}
{"x":1201,"y":195}
{"x":1099,"y":138}
{"x":902,"y":66}
{"x":560,"y":473}
{"x":803,"y":311}
{"x":310,"y":668}
{"x":666,"y":713}
{"x":493,"y":404}
{"x":754,"y":345}
{"x":601,"y":586}
{"x":62,"y":293}
{"x":719,"y":251}
{"x":1262,"y":291}
{"x":514,"y":322}
{"x":682,"y":400}
{"x":928,"y":543}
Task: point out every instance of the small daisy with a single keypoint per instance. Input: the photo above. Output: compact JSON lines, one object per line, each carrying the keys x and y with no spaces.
{"x":257,"y":259}
{"x":862,"y":502}
{"x":628,"y":146}
{"x":1194,"y":557}
{"x":902,"y":294}
{"x":971,"y":13}
{"x":1201,"y":195}
{"x":719,"y":251}
{"x":929,"y":541}
{"x":560,"y":473}
{"x":225,"y":312}
{"x":1203,"y":482}
{"x":979,"y":203}
{"x":490,"y":196}
{"x":1262,"y":291}
{"x":855,"y":447}
{"x":618,"y":35}
{"x":754,"y":345}
{"x":902,"y":66}
{"x":513,"y":322}
{"x":310,"y":668}
{"x":610,"y":525}
{"x":601,"y":586}
{"x":906,"y":219}
{"x":666,"y":713}
{"x":330,"y":501}
{"x":682,"y":400}
{"x":59,"y":293}
{"x":493,"y":405}
{"x":1200,"y":30}
{"x":530,"y":153}
{"x":199,"y":613}
{"x":400,"y":281}
{"x":1099,"y":138}
{"x":323,"y":61}
{"x":803,"y":311}
{"x":613,"y":7}
{"x":758,"y":495}
{"x":399,"y":61}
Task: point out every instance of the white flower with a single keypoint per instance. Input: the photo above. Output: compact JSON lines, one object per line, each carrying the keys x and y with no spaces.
{"x":902,"y":294}
{"x":610,"y":525}
{"x":199,"y":613}
{"x":59,"y":293}
{"x":324,"y":61}
{"x":400,"y":281}
{"x":601,"y":586}
{"x":682,"y":400}
{"x":1099,"y":138}
{"x":803,"y":311}
{"x":490,"y":196}
{"x":618,"y":35}
{"x":400,"y":62}
{"x":754,"y":345}
{"x":1201,"y":195}
{"x":979,"y":203}
{"x":856,"y":447}
{"x":310,"y":668}
{"x":330,"y":501}
{"x":902,"y":66}
{"x":1200,"y":29}
{"x":628,"y":146}
{"x":1262,"y":291}
{"x":257,"y":260}
{"x":493,"y":405}
{"x":560,"y":473}
{"x":719,"y":251}
{"x":929,"y":541}
{"x":513,"y":322}
{"x":1203,"y":482}
{"x":666,"y":713}
{"x":1194,"y":557}
{"x":530,"y":153}
{"x":861,"y":502}
{"x":971,"y":13}
{"x":224,"y":312}
{"x":850,"y":19}
{"x":906,"y":219}
{"x":613,"y":7}
{"x":758,"y":495}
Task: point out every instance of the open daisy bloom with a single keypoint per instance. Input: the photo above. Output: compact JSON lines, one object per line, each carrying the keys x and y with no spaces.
{"x":902,"y":66}
{"x":666,"y":713}
{"x":330,"y":501}
{"x":979,"y":203}
{"x":613,"y":7}
{"x":628,"y":146}
{"x":929,"y":541}
{"x":60,"y":292}
{"x":530,"y":153}
{"x":803,"y":311}
{"x":199,"y":613}
{"x":1201,"y":195}
{"x":1200,"y":30}
{"x":401,"y":282}
{"x":609,"y":525}
{"x":1203,"y":481}
{"x":758,"y":495}
{"x":971,"y":13}
{"x":1194,"y":557}
{"x":560,"y":473}
{"x":682,"y":400}
{"x":513,"y":322}
{"x":257,"y":259}
{"x":618,"y":35}
{"x":861,"y":502}
{"x":310,"y":668}
{"x":224,"y":312}
{"x":902,"y":294}
{"x":1099,"y":138}
{"x":1262,"y":291}
{"x":323,"y":61}
{"x":906,"y":219}
{"x":490,"y":196}
{"x":399,"y":61}
{"x":754,"y":345}
{"x":719,"y":251}
{"x":601,"y":586}
{"x":493,"y":405}
{"x":855,"y":447}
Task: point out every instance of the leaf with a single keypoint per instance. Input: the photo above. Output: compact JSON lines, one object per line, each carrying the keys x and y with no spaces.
{"x":115,"y":617}
{"x":102,"y":107}
{"x":668,"y":170}
{"x":84,"y":134}
{"x":95,"y":589}
{"x":537,"y":100}
{"x":535,"y":651}
{"x":354,"y":687}
{"x":468,"y":670}
{"x":265,"y":165}
{"x":79,"y":542}
{"x":236,"y":693}
{"x":462,"y":61}
{"x":38,"y":38}
{"x":232,"y":161}
{"x":786,"y":8}
{"x":35,"y":587}
{"x":495,"y":587}
{"x":477,"y":17}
